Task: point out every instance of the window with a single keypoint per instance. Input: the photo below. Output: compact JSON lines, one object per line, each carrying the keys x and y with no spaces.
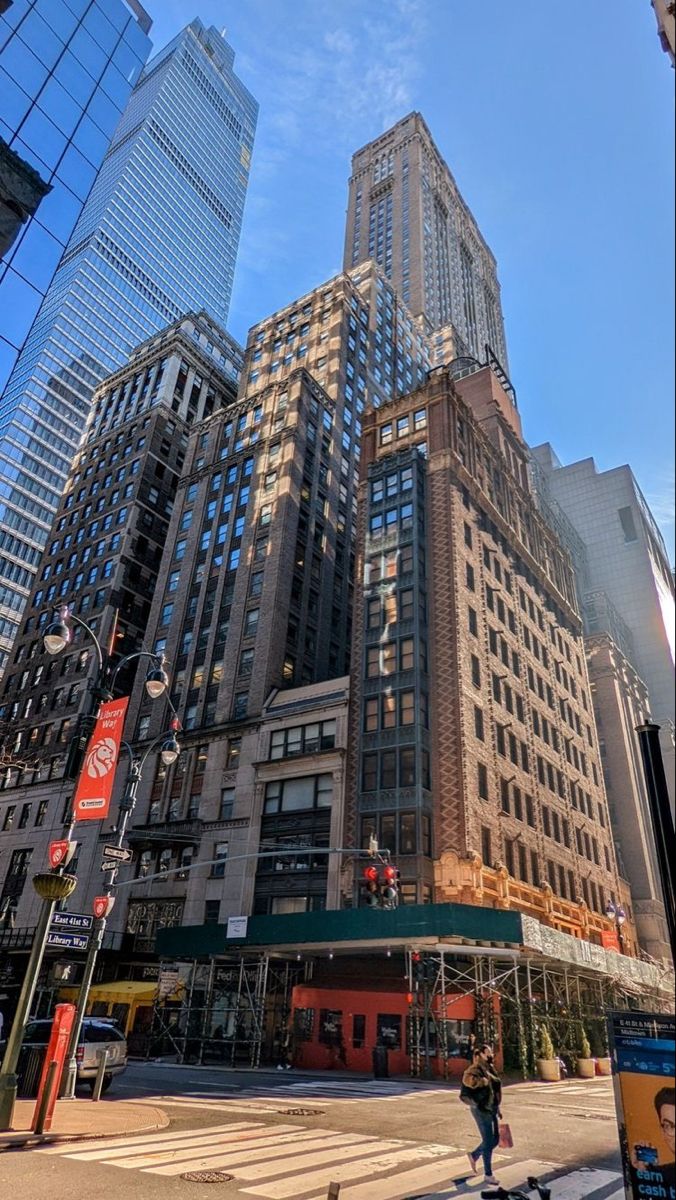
{"x":212,"y":909}
{"x":486,"y":852}
{"x":298,"y":795}
{"x":482,"y":781}
{"x":303,"y":739}
{"x":472,"y":622}
{"x":227,"y":804}
{"x":479,"y":723}
{"x":220,"y":854}
{"x":407,"y":708}
{"x":234,"y":750}
{"x":476,"y":671}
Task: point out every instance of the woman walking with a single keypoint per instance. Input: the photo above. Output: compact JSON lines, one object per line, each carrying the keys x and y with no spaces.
{"x":482,"y":1091}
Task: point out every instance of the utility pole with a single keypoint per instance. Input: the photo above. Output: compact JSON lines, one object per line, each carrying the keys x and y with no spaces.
{"x":662,"y":820}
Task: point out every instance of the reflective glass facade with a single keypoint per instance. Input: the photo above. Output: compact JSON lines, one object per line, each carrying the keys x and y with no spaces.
{"x":67,"y":69}
{"x":157,"y":237}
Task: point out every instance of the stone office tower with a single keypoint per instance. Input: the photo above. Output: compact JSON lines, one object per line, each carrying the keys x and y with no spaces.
{"x":103,"y":555}
{"x":474,"y":751}
{"x":406,"y":213}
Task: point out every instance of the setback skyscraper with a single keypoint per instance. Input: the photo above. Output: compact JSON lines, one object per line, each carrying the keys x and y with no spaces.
{"x":66,"y":73}
{"x":406,"y":213}
{"x":628,"y":561}
{"x":157,"y":237}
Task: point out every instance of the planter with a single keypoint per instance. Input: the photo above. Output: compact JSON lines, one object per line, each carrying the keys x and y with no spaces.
{"x":549,"y":1070}
{"x":585,"y":1068}
{"x":604,"y":1065}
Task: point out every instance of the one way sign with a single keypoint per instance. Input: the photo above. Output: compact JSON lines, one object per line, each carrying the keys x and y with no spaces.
{"x":120,"y":853}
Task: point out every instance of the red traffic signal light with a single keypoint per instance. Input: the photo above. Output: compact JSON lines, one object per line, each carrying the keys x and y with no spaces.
{"x":371,"y":886}
{"x":389,"y":887}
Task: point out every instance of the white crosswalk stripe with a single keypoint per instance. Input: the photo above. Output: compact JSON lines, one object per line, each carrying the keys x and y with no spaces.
{"x":287,"y":1162}
{"x":278,"y":1162}
{"x":567,"y":1088}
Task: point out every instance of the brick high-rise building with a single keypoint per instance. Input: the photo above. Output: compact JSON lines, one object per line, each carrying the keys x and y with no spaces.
{"x":103,"y":556}
{"x":476,"y":759}
{"x":406,"y":213}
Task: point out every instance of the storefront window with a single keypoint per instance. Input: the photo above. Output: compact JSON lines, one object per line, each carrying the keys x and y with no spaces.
{"x":388,"y":1031}
{"x":330,"y":1027}
{"x":358,"y":1032}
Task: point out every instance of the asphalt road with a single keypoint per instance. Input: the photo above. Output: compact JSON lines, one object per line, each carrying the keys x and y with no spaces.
{"x":283,"y":1136}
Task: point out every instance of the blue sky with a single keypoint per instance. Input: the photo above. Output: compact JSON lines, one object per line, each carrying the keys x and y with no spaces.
{"x":557,"y":122}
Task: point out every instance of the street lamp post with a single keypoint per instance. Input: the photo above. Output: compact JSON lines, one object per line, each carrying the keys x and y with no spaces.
{"x":617,"y":914}
{"x":169,"y":753}
{"x":51,"y":887}
{"x":58,"y":634}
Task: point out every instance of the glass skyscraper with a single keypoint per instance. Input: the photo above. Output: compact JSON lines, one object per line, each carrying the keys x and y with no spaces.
{"x":157,"y":237}
{"x":67,"y":69}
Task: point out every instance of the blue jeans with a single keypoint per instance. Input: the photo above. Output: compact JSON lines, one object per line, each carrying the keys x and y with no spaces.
{"x":490,"y":1136}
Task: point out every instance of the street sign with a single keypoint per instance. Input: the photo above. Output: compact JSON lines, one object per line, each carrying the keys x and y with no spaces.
{"x":121,"y":853}
{"x":69,"y":920}
{"x":61,"y":852}
{"x":102,"y":906}
{"x":67,"y":941}
{"x":237,"y":927}
{"x":109,"y":864}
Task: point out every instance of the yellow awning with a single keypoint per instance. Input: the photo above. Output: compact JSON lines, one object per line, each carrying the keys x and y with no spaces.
{"x":119,"y":991}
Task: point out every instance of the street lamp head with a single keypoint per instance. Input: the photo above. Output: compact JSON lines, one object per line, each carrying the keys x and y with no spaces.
{"x":170,"y":750}
{"x":57,"y":636}
{"x":611,"y":911}
{"x":157,"y":682}
{"x":621,"y":916}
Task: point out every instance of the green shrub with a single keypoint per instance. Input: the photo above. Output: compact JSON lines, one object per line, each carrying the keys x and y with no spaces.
{"x":585,"y":1048}
{"x":546,"y":1044}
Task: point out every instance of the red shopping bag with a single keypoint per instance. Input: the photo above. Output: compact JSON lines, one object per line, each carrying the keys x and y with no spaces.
{"x":506,"y":1140}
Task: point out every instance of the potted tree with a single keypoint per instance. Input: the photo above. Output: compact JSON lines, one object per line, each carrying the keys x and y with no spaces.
{"x":600,"y":1050}
{"x":548,"y":1063}
{"x":585,"y":1062}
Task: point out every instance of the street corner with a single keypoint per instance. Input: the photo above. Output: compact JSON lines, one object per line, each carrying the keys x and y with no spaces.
{"x":79,"y":1120}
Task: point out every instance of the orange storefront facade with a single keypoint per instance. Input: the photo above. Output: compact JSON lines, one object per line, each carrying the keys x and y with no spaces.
{"x":338,"y":1028}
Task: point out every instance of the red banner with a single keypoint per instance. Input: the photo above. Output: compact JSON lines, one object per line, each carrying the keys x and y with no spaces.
{"x":95,"y":785}
{"x":610,"y":940}
{"x":64,"y":1015}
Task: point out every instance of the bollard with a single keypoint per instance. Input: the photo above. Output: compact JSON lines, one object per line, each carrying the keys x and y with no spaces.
{"x":334,"y":1191}
{"x":45,"y":1097}
{"x":100,"y":1072}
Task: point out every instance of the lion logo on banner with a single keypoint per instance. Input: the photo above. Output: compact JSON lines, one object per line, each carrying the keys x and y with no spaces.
{"x":101,"y":758}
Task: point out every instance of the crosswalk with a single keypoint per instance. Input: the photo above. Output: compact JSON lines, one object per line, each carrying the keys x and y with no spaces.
{"x":288,"y":1096}
{"x":290,"y":1162}
{"x":568,"y":1088}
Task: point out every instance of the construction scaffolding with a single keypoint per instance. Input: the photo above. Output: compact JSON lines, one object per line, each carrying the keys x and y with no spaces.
{"x":514,"y":995}
{"x":233,"y":1011}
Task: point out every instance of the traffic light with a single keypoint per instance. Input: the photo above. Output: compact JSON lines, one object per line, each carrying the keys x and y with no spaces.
{"x":371,"y":893}
{"x":423,"y":970}
{"x":389,"y":887}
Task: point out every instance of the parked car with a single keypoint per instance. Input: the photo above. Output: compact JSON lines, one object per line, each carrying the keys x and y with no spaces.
{"x":97,"y":1035}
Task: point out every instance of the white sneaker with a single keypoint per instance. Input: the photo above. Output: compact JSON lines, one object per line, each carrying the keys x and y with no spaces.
{"x":491,"y":1180}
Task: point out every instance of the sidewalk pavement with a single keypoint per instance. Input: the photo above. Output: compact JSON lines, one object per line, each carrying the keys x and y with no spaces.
{"x":76,"y":1119}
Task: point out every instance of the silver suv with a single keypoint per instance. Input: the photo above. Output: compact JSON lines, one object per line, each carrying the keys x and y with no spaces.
{"x":96,"y":1036}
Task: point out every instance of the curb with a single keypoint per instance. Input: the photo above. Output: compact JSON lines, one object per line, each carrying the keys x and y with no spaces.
{"x":27,"y":1139}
